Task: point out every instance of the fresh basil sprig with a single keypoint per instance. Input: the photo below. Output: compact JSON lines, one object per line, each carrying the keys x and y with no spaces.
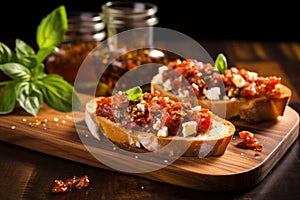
{"x":30,"y":85}
{"x":134,"y":94}
{"x":221,"y":63}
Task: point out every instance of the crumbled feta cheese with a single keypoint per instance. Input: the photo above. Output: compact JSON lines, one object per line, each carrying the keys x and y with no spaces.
{"x":167,"y":85}
{"x":183,"y":93}
{"x":158,"y":77}
{"x":238,"y":80}
{"x":163,"y":132}
{"x":166,"y":98}
{"x":196,"y":108}
{"x":189,"y":128}
{"x":140,"y":107}
{"x":213,"y":93}
{"x":157,"y":124}
{"x":252,"y":75}
{"x":195,"y":86}
{"x":162,"y":69}
{"x":201,"y":64}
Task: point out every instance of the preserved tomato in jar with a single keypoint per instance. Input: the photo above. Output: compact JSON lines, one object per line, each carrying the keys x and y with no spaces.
{"x":131,"y":68}
{"x":85,"y":32}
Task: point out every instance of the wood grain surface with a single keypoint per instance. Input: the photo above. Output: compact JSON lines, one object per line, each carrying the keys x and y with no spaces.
{"x":65,"y":135}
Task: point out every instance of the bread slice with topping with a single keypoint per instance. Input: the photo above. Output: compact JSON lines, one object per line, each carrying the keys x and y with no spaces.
{"x":236,"y":93}
{"x":153,"y":123}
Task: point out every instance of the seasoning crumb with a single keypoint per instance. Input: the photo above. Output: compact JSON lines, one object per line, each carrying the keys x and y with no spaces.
{"x":13,"y":127}
{"x":24,"y":120}
{"x":34,"y":124}
{"x":56,"y":119}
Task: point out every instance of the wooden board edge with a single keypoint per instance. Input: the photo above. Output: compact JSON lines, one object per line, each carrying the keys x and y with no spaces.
{"x":199,"y":182}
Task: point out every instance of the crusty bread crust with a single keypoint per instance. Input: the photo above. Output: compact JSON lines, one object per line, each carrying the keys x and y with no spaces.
{"x":252,"y":110}
{"x":146,"y":142}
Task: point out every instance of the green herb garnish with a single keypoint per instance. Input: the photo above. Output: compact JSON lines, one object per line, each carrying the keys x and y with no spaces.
{"x":221,"y":63}
{"x":134,"y":94}
{"x":30,"y":85}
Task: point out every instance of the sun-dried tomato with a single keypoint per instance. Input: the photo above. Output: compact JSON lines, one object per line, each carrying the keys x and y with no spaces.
{"x":249,"y":141}
{"x":79,"y":183}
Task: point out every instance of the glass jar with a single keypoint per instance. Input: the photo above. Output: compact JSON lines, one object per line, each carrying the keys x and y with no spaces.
{"x":121,"y":16}
{"x":85,"y":31}
{"x":129,"y":28}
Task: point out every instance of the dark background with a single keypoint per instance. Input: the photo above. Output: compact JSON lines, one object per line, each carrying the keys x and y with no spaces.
{"x":201,"y":20}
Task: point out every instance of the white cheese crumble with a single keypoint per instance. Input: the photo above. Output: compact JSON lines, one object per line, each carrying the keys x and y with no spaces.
{"x":238,"y":80}
{"x":196,"y":108}
{"x":158,"y":77}
{"x":140,"y":107}
{"x":163,"y":132}
{"x":183,"y":93}
{"x":189,"y":128}
{"x":201,"y":64}
{"x":213,"y":93}
{"x":157,"y":124}
{"x":167,"y":85}
{"x":252,"y":75}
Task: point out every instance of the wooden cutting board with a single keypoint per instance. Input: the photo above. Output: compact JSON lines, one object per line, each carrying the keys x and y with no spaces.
{"x":65,"y":135}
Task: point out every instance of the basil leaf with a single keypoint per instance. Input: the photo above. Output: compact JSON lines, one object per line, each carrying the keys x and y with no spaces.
{"x":15,"y":71}
{"x":6,"y":55}
{"x":27,"y":70}
{"x":8,"y":98}
{"x":29,"y":97}
{"x":51,"y":30}
{"x":59,"y":94}
{"x":23,"y":49}
{"x":42,"y":54}
{"x":25,"y":54}
{"x":38,"y":72}
{"x":221,"y":63}
{"x":134,"y":94}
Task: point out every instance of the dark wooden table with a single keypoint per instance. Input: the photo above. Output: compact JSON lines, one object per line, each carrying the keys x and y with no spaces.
{"x":27,"y":174}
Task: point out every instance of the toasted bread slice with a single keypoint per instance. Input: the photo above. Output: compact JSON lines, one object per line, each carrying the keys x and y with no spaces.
{"x":252,"y":110}
{"x":213,"y":143}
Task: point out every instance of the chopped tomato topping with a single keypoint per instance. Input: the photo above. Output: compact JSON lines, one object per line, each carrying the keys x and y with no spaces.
{"x":201,"y":77}
{"x":151,"y":113}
